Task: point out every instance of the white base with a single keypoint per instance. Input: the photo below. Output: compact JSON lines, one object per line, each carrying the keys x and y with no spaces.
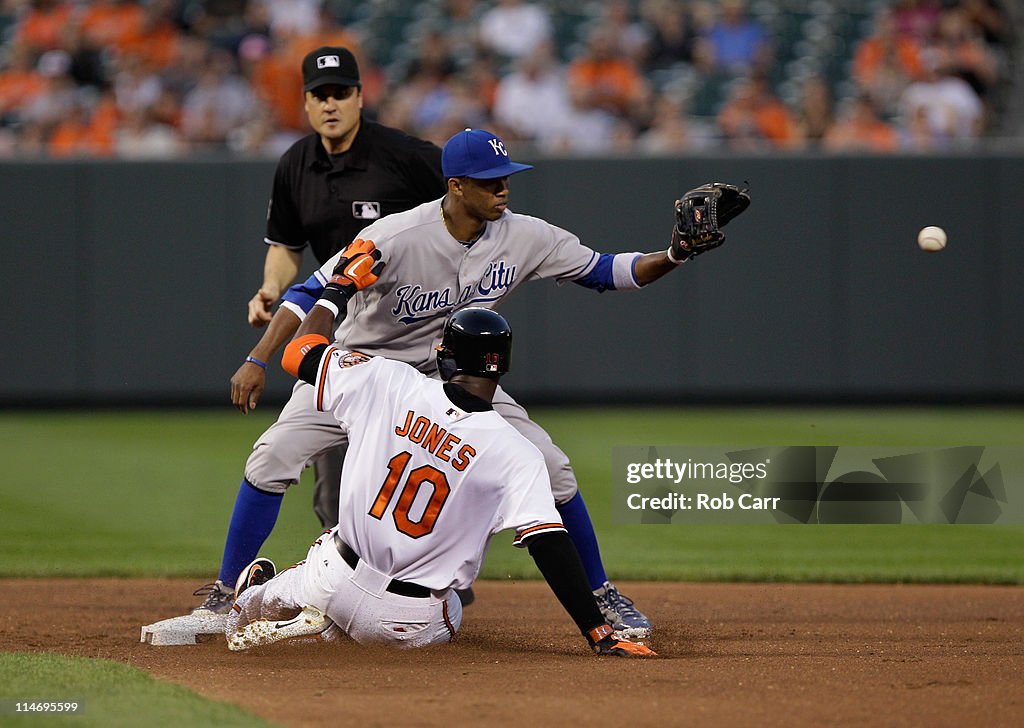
{"x":184,"y":630}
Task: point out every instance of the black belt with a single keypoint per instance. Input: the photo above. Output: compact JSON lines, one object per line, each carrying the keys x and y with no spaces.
{"x":402,"y":588}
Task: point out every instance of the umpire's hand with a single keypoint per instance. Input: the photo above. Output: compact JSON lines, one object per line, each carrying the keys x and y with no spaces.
{"x":259,"y":308}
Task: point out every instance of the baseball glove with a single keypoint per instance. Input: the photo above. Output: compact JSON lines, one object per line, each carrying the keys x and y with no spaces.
{"x":701,"y":214}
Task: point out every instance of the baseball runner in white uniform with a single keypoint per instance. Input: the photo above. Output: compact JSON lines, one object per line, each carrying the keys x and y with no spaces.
{"x":432,"y":473}
{"x":465,"y":249}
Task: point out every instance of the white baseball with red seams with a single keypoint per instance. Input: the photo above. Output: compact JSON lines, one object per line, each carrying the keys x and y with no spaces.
{"x":931,"y":239}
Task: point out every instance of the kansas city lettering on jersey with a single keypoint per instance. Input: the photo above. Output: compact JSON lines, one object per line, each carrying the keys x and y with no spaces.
{"x":415,"y":304}
{"x":436,"y":440}
{"x":496,"y":278}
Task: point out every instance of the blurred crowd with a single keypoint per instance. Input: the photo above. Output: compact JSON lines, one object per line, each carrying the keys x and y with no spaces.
{"x":164,"y":78}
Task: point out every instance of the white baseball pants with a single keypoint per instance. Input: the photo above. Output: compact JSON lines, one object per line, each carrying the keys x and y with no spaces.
{"x":356,"y":600}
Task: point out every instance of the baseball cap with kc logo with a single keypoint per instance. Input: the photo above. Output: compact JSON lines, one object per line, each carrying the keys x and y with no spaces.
{"x":478,"y":154}
{"x":329,"y":65}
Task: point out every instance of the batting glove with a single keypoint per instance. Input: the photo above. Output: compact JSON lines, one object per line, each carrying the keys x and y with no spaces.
{"x":604,"y":642}
{"x":359,"y":266}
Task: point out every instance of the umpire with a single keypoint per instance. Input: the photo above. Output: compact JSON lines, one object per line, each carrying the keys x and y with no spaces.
{"x":327,"y":187}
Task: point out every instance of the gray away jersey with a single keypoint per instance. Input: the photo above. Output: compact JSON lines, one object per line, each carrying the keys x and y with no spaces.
{"x":428,"y":275}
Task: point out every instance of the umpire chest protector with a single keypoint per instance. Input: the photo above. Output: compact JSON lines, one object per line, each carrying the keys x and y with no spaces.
{"x":323,"y":200}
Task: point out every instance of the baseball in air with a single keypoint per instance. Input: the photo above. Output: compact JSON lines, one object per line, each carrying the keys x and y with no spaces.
{"x":931,"y":239}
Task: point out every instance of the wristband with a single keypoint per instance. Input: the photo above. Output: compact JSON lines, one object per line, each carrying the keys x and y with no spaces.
{"x":257,"y":362}
{"x":599,"y":633}
{"x":329,"y":305}
{"x":336,"y":294}
{"x":673,"y":258}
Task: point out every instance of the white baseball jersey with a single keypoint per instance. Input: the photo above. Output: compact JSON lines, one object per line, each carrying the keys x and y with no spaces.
{"x":428,"y":275}
{"x":426,"y":484}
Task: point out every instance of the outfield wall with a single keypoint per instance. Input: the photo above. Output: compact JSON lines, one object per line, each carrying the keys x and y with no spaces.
{"x":127,"y":283}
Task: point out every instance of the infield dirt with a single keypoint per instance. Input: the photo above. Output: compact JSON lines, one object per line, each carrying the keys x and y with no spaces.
{"x":731,"y":654}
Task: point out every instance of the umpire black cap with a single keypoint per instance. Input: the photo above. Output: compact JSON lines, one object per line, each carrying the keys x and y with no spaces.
{"x":476,"y":341}
{"x":329,"y":65}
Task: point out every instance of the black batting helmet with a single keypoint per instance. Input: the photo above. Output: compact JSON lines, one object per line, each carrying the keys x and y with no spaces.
{"x":476,"y":341}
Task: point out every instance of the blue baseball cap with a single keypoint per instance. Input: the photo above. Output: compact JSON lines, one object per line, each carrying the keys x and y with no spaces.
{"x":479,"y":154}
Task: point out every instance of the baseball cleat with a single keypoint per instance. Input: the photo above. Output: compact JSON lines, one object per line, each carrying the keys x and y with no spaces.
{"x":619,"y":612}
{"x":310,"y":621}
{"x":260,"y":571}
{"x":218,"y":598}
{"x":466,"y":596}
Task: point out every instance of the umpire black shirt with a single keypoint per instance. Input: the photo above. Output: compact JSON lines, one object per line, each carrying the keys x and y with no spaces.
{"x":324,"y":200}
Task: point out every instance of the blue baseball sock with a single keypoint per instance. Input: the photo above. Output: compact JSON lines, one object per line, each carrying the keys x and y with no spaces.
{"x":251,"y":522}
{"x":581,"y":531}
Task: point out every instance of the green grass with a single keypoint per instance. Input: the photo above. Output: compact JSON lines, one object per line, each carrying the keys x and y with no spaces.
{"x":150,"y":493}
{"x":109,"y":695}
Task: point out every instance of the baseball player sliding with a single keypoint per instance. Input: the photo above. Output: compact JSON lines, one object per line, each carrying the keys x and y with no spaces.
{"x":432,"y":473}
{"x":465,"y":249}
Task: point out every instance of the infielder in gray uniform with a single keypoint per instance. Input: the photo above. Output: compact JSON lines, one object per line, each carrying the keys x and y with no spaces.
{"x":465,"y":249}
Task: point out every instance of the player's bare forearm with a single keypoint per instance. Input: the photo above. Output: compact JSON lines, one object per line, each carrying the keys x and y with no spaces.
{"x":281,"y":330}
{"x":302,"y":355}
{"x":319,"y":320}
{"x":652,"y":266}
{"x":250,"y":378}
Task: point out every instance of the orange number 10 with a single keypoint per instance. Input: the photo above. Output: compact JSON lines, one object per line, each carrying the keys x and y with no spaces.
{"x":418,"y":476}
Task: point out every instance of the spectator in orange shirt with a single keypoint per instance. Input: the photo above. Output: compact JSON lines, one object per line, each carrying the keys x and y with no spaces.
{"x":274,"y":81}
{"x":156,"y":42}
{"x":753,"y":118}
{"x":327,"y":32}
{"x":861,"y":130}
{"x":79,"y":134}
{"x":604,"y":80}
{"x":269,"y":64}
{"x":111,"y":23}
{"x":20,"y":82}
{"x":885,"y":62}
{"x":42,"y":27}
